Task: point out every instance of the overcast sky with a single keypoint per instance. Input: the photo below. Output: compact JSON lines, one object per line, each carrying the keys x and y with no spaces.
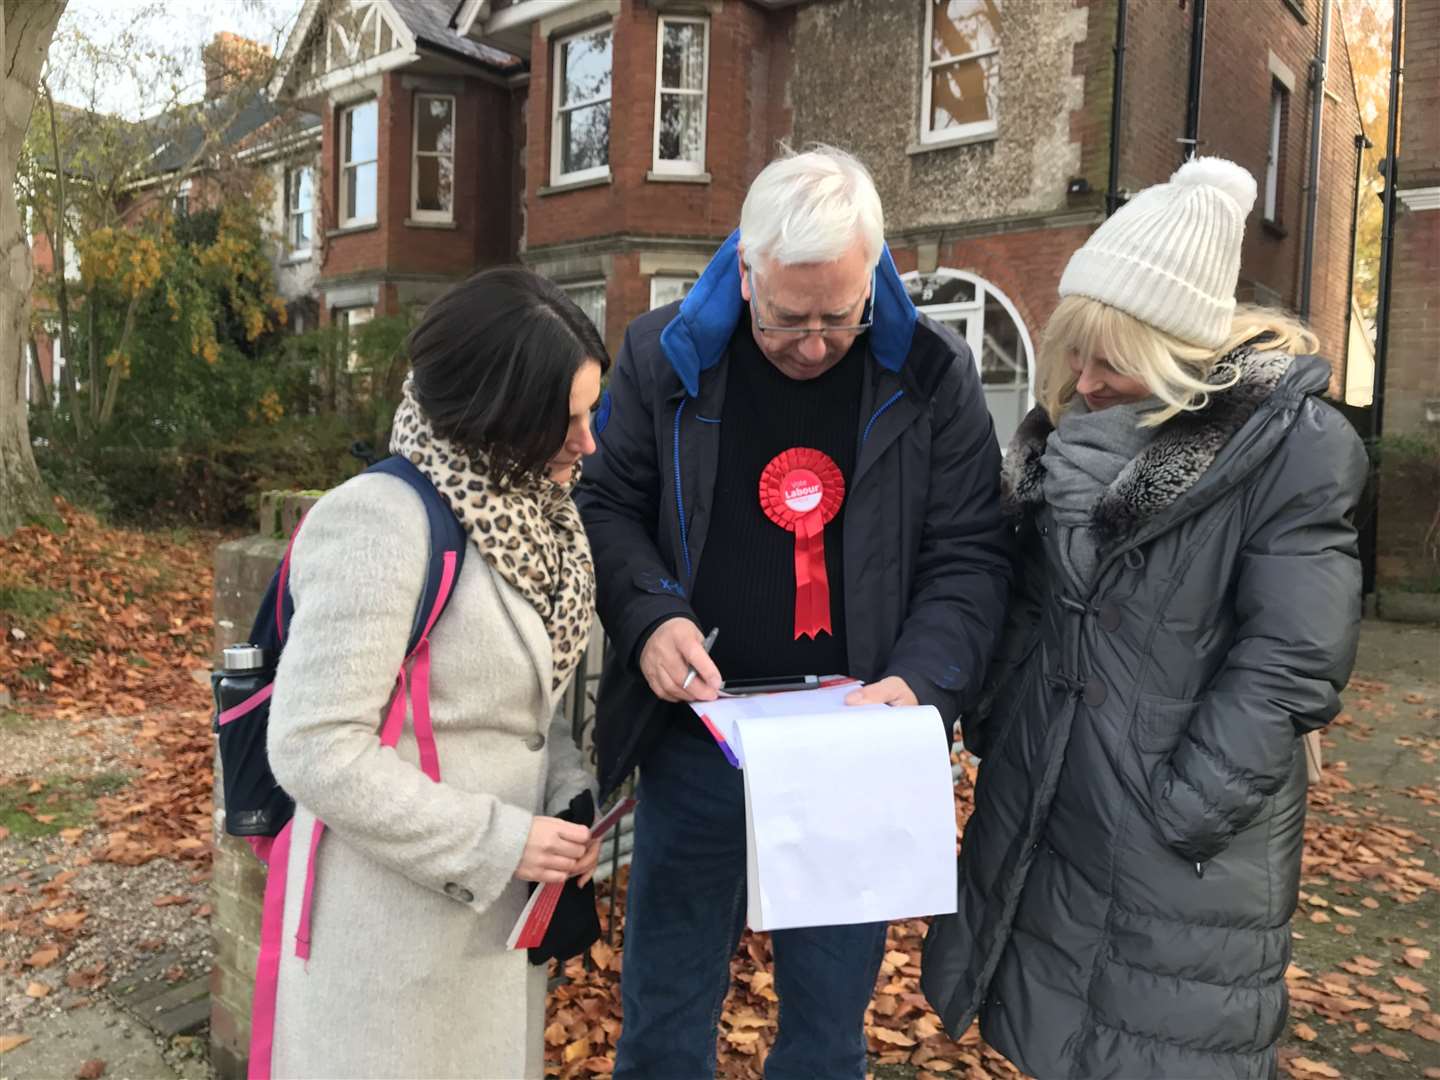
{"x":176,"y":28}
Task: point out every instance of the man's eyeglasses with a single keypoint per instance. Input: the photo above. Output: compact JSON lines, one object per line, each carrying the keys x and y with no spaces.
{"x":867,"y":317}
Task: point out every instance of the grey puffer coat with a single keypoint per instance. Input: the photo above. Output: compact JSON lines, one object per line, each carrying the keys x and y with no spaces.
{"x":1130,"y":870}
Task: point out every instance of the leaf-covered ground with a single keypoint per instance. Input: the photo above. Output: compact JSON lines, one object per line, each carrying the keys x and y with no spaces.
{"x":105,"y":809}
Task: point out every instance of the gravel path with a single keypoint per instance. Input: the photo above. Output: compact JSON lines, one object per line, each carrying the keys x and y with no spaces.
{"x":48,"y":877}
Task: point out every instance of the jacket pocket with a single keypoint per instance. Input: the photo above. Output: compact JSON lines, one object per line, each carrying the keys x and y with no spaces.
{"x":1160,"y":723}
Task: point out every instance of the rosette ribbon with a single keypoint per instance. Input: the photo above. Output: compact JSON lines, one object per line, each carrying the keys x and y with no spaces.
{"x":801,"y":491}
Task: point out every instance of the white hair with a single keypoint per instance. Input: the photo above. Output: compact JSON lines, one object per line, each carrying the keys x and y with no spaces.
{"x":810,"y":208}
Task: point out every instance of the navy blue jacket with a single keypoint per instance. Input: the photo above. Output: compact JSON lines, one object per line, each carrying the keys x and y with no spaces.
{"x":927,"y":561}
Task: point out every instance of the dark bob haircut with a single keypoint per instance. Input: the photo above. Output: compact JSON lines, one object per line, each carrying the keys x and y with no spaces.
{"x":494,"y":359}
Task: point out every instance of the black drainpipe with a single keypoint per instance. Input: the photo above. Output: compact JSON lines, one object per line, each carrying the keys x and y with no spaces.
{"x":1361,"y":145}
{"x":1191,"y":141}
{"x":1387,"y":229}
{"x":1113,"y":201}
{"x":1318,"y":70}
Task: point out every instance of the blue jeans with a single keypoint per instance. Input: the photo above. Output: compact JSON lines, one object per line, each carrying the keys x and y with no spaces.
{"x":684,"y":916}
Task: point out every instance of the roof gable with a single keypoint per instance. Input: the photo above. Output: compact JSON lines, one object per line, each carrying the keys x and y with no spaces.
{"x":337,"y":43}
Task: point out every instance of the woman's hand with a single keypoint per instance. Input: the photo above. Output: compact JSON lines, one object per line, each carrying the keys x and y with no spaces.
{"x":554,"y":850}
{"x":585,"y":868}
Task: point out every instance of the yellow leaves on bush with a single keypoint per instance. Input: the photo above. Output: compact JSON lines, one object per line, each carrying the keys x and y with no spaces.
{"x":133,"y":261}
{"x":236,"y":261}
{"x":270,"y":407}
{"x":203,"y":342}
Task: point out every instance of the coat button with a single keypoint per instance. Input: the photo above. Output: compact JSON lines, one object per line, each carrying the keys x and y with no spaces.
{"x":1095,"y":693}
{"x":459,"y":892}
{"x":1109,"y":618}
{"x":535,"y":742}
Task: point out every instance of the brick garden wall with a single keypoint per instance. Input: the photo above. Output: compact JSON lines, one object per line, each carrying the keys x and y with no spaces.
{"x":243,"y":569}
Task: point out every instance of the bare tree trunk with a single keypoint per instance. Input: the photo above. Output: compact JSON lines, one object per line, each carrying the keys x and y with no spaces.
{"x":117,"y":369}
{"x":43,"y":399}
{"x":24,"y":40}
{"x":92,"y":393}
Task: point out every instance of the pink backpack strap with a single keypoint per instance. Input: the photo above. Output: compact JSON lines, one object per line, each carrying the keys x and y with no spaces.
{"x":284,"y":582}
{"x":418,"y":686}
{"x":267,"y":968}
{"x":302,"y":932}
{"x":249,"y":705}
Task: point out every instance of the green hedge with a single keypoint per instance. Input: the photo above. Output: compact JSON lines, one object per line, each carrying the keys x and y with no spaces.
{"x":218,"y":485}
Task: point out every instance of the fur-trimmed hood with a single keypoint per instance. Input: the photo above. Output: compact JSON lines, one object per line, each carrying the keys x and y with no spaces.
{"x":1182,"y":453}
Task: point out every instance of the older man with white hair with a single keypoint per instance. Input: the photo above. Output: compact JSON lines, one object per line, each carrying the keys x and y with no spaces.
{"x":797,"y":458}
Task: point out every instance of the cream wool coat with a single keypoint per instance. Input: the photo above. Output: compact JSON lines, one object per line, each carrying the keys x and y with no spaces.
{"x":408,"y":974}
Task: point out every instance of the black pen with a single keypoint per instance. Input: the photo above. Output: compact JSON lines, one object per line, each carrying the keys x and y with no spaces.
{"x":709,"y":644}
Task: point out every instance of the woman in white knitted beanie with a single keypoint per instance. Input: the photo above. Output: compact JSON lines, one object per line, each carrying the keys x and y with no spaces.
{"x":1186,"y":607}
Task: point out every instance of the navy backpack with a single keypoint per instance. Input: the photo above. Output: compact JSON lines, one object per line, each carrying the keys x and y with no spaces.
{"x":256,"y":807}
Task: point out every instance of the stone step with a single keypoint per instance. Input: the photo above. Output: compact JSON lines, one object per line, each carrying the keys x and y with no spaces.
{"x":168,"y":1009}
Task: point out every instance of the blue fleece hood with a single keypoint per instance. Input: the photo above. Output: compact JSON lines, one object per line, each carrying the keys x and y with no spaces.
{"x":696,"y":338}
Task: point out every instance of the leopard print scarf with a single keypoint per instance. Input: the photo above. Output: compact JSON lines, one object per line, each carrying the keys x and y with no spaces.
{"x":529,"y":531}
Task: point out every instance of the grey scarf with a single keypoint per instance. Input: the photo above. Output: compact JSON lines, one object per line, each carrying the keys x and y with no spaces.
{"x":1083,"y":456}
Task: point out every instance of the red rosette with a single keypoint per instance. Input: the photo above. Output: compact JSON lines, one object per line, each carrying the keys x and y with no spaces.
{"x":801,"y":490}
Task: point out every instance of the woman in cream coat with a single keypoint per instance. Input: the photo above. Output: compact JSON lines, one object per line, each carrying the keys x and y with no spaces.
{"x":418,"y":883}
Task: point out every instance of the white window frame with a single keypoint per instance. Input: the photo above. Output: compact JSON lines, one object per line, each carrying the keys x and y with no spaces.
{"x":572,"y":287}
{"x":657,"y":280}
{"x":293,"y":251}
{"x":347,"y":217}
{"x":416,"y":153}
{"x":681,"y":168}
{"x":181,"y":203}
{"x":557,"y":108}
{"x":58,"y":361}
{"x":1270,"y":207}
{"x":351,"y":319}
{"x":964,"y":132}
{"x":973,"y":312}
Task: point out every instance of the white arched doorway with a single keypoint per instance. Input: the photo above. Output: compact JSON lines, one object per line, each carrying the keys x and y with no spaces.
{"x":987,"y":320}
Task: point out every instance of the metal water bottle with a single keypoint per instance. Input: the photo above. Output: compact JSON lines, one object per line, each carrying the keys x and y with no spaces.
{"x":255,"y":805}
{"x":241,"y":676}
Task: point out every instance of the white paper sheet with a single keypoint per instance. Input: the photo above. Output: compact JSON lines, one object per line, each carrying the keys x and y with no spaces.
{"x":723,"y":713}
{"x":850,"y":815}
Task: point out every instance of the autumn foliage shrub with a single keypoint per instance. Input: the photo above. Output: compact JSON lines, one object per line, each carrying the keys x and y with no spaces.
{"x":217,"y":404}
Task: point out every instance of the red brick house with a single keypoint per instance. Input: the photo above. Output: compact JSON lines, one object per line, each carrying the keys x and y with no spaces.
{"x":1408,"y":562}
{"x":609,"y":143}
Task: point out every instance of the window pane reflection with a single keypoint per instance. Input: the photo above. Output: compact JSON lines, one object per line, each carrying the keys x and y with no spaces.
{"x":962,"y":27}
{"x":585,"y":68}
{"x":964,"y":92}
{"x":681,"y":120}
{"x":682,"y":57}
{"x":585,"y":138}
{"x":435,"y":129}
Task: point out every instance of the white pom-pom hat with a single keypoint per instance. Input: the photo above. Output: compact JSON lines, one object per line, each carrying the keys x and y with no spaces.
{"x":1170,"y":257}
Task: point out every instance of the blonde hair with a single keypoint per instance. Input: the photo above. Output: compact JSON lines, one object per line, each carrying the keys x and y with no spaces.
{"x":1182,"y":376}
